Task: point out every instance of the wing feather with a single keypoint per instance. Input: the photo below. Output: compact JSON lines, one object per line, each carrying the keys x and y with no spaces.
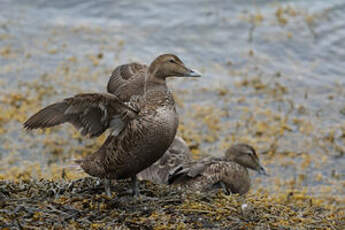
{"x":91,"y":113}
{"x":126,"y":80}
{"x":189,"y":170}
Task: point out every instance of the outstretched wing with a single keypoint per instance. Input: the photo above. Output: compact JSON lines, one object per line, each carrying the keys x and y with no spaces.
{"x":127,"y":80}
{"x":91,"y":113}
{"x":178,"y":153}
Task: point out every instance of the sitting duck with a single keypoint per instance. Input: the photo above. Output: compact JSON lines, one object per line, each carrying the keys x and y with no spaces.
{"x":142,"y":127}
{"x":230,"y":172}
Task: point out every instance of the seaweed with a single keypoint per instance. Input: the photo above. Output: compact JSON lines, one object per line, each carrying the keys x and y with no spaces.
{"x":81,"y":203}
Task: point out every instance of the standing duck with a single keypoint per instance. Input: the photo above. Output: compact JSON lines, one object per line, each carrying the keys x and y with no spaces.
{"x":229,"y":172}
{"x":126,"y":81}
{"x":178,"y":153}
{"x":142,"y":128}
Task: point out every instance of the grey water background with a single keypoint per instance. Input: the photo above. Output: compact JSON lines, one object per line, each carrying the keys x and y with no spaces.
{"x":215,"y":37}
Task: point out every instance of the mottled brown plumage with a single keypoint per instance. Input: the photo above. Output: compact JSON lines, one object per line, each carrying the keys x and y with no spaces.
{"x":143,"y":127}
{"x":177,"y":154}
{"x":91,"y":113}
{"x":127,"y":80}
{"x":229,"y":172}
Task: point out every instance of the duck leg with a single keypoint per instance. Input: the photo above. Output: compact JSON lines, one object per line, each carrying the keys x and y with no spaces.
{"x":136,"y":192}
{"x":107,"y":183}
{"x":135,"y":186}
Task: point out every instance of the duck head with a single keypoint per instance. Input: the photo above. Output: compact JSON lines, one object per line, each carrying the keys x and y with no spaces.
{"x":246,"y":156}
{"x":169,"y":65}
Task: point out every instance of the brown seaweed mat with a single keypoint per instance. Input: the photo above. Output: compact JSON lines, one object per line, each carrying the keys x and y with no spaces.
{"x":81,"y":204}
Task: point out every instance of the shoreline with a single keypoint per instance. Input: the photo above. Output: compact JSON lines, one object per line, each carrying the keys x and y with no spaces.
{"x":63,"y":204}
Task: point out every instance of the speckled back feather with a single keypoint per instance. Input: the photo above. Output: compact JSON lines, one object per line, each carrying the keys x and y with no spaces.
{"x":205,"y":175}
{"x":127,"y":80}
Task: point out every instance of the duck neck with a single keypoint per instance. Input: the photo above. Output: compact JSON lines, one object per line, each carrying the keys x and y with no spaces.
{"x":242,"y":164}
{"x":228,"y":158}
{"x":152,"y":81}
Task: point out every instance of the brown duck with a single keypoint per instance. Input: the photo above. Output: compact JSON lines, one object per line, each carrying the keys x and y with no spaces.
{"x":178,"y":153}
{"x":229,"y":172}
{"x":142,"y":128}
{"x":128,"y":80}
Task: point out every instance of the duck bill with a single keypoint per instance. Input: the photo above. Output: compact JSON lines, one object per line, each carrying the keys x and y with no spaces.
{"x":262,"y":171}
{"x":192,"y":73}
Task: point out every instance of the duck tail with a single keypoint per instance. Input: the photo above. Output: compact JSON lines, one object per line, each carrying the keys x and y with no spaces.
{"x":174,"y":174}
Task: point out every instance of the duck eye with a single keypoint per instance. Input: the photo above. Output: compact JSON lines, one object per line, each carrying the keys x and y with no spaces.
{"x":171,"y":61}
